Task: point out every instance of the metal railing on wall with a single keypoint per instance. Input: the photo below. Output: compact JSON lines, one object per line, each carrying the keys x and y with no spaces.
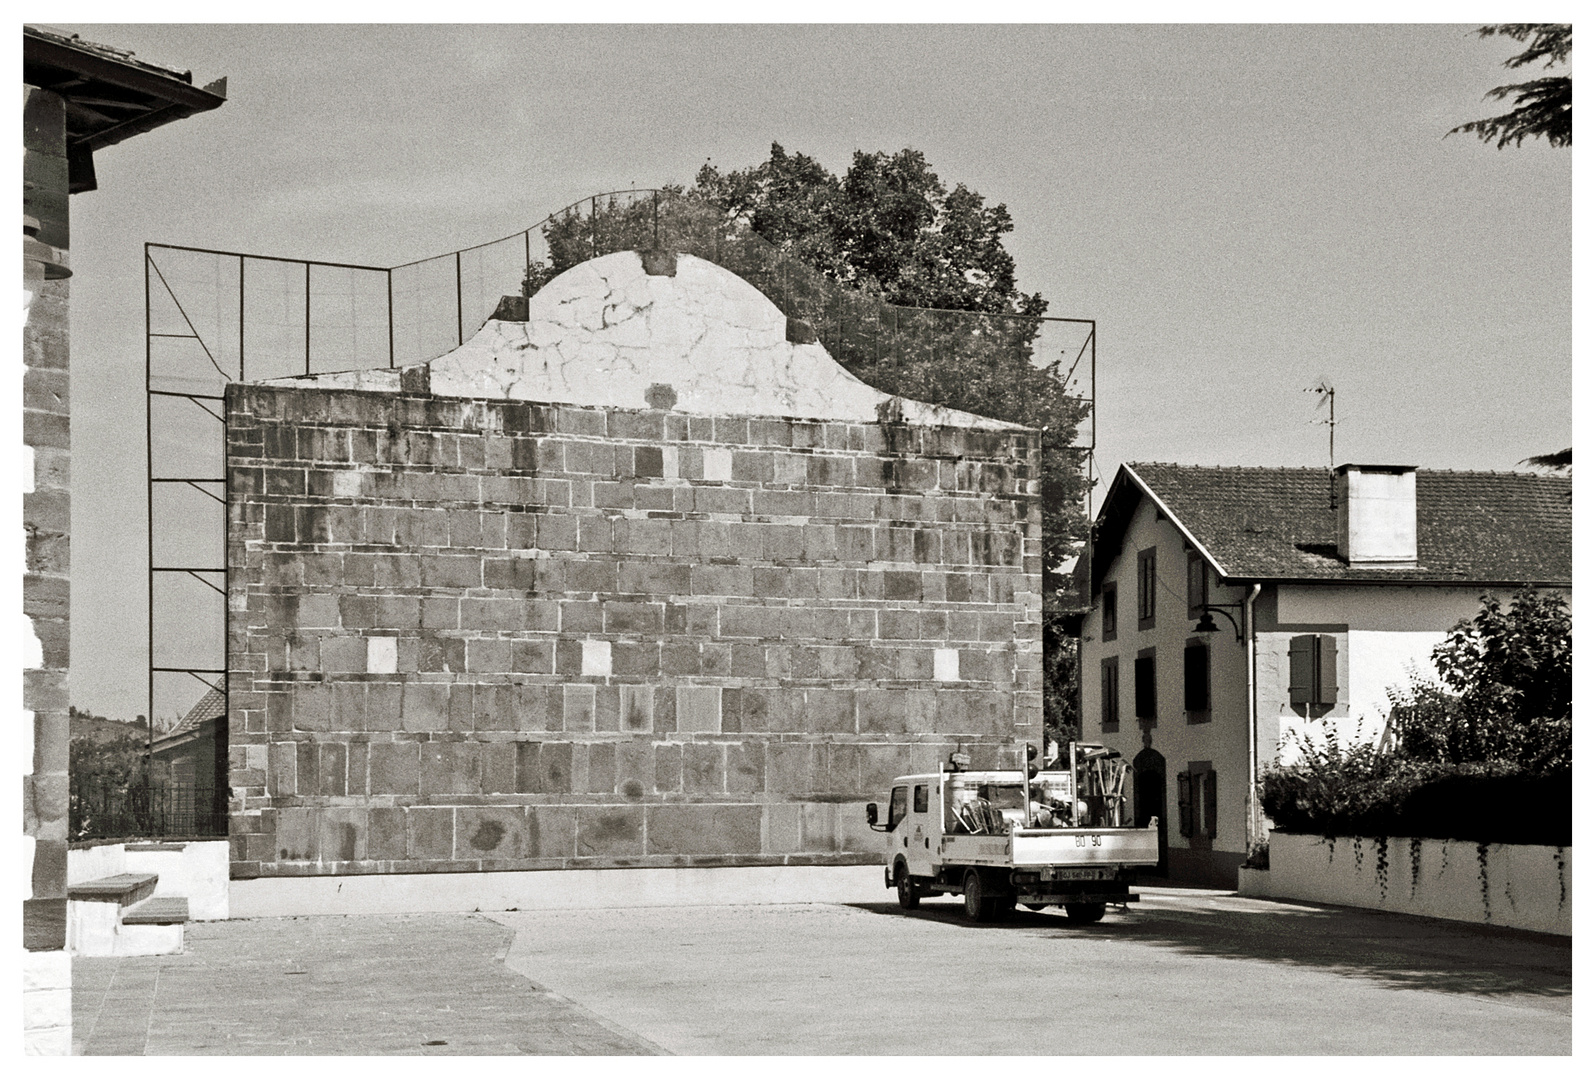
{"x":214,"y":317}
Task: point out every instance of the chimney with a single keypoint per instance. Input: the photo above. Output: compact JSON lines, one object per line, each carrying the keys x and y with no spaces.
{"x":1377,"y":519}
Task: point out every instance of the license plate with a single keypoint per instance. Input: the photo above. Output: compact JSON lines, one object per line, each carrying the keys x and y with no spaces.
{"x":1053,"y":873}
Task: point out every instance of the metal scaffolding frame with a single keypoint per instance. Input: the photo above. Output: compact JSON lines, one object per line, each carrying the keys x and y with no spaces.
{"x":409,"y":316}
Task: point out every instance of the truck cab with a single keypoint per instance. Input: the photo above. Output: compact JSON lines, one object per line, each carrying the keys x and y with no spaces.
{"x":1017,"y":836}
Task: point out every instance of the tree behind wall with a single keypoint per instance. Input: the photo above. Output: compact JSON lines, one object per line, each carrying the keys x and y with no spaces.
{"x":909,"y":287}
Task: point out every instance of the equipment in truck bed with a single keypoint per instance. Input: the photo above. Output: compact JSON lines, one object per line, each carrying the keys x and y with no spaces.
{"x":1017,"y":836}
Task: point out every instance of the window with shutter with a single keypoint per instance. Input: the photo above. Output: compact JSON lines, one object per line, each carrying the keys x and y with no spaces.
{"x":1313,"y":669}
{"x":1146,"y":685}
{"x":1197,"y":690}
{"x":1110,"y":688}
{"x":1183,"y":793}
{"x":1110,"y":604}
{"x":1146,"y":588}
{"x":1196,"y":585}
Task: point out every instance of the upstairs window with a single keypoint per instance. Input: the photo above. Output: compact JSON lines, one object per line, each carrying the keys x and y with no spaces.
{"x":1313,"y":669}
{"x":1146,"y":586}
{"x":1196,"y":585}
{"x":1110,"y":693}
{"x":1197,"y":688}
{"x":1146,"y":685}
{"x":1110,"y":605}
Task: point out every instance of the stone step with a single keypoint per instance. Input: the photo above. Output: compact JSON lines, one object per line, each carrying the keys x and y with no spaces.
{"x":124,"y":890}
{"x":157,"y":911}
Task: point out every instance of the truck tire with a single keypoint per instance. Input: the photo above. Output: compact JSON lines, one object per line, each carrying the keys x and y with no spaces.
{"x":1035,"y":907}
{"x":1084,"y":913}
{"x":979,"y":902}
{"x":908,"y":891}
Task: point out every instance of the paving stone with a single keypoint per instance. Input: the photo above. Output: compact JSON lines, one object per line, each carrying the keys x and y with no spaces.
{"x":360,"y":985}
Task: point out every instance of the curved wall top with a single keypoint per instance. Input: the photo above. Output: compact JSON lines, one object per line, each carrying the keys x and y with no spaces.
{"x":691,"y":336}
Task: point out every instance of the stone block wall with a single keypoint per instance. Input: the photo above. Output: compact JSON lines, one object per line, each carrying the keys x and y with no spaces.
{"x":491,"y":635}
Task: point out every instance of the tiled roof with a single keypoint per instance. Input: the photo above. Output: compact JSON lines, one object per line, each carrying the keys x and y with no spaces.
{"x":1269,"y":523}
{"x":212,"y":706}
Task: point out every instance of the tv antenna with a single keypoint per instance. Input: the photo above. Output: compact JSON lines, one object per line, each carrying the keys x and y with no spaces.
{"x":1327,"y":396}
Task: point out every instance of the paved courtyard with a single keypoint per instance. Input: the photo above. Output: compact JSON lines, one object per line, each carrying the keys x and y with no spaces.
{"x":1185,"y":972}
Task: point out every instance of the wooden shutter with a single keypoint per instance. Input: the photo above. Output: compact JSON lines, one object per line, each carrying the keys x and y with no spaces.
{"x":1183,"y":795}
{"x":1325,"y":670}
{"x":1211,"y":803}
{"x":1110,"y":689}
{"x":1197,"y":678}
{"x":1301,"y":656}
{"x":1196,"y":585}
{"x":1146,"y":585}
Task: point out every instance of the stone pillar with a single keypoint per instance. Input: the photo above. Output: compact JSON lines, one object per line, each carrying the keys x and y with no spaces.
{"x":46,"y":520}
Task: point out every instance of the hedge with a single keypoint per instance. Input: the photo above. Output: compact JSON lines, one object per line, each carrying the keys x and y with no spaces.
{"x":1456,"y":803}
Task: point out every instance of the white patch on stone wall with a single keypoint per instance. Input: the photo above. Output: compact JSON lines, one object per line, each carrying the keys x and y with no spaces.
{"x":717,"y":464}
{"x":946,"y":665}
{"x":698,"y":708}
{"x":382,"y":655}
{"x":595,"y":658}
{"x":346,"y":484}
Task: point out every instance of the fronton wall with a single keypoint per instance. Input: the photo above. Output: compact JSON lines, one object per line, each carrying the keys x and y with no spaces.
{"x":475,"y":635}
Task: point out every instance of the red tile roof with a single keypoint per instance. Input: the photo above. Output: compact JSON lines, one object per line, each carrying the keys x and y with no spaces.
{"x":1277,"y":524}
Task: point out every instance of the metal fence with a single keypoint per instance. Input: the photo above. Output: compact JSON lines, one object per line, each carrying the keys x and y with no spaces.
{"x":101,"y":809}
{"x":214,"y":317}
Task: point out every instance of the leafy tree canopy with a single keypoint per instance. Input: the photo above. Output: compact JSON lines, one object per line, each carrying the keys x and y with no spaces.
{"x":1542,"y":107}
{"x":889,"y":226}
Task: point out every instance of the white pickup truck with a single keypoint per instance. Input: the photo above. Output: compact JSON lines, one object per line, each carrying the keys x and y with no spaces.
{"x":1027,"y":836}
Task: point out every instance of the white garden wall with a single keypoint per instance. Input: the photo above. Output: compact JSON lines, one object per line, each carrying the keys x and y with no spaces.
{"x":1523,"y":886}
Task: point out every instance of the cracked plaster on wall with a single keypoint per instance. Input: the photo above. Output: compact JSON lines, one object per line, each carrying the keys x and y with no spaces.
{"x":604,"y":332}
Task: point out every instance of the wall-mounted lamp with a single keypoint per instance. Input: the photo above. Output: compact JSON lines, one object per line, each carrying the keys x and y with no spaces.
{"x":1206,"y":624}
{"x":39,"y":264}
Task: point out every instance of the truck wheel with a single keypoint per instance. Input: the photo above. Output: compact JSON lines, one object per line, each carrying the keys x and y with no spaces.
{"x":1084,"y":913}
{"x":908,"y":891}
{"x":979,"y":904}
{"x":1035,"y":907}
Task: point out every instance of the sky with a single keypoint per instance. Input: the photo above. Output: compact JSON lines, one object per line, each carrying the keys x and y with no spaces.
{"x":1245,"y":211}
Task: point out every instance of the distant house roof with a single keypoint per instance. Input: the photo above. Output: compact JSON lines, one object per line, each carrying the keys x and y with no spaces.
{"x":213,"y":706}
{"x":1276,"y":524}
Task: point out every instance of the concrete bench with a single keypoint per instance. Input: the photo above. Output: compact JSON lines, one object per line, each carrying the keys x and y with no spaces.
{"x":157,"y":911}
{"x":124,"y":890}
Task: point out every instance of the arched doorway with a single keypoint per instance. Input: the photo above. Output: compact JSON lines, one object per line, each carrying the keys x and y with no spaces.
{"x":1151,"y":802}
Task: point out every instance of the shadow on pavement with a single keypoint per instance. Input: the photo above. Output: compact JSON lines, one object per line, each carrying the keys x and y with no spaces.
{"x":1398,"y":951}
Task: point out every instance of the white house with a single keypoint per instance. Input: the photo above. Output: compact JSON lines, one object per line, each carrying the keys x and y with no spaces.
{"x":1236,"y":611}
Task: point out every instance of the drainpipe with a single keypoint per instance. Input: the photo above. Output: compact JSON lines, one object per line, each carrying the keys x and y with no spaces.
{"x":1252,"y":717}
